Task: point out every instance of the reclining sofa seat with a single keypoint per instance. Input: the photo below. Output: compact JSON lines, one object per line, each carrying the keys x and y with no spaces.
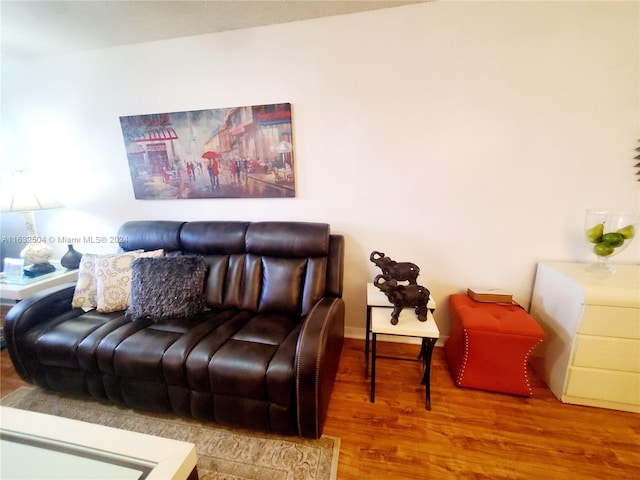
{"x":263,"y":355}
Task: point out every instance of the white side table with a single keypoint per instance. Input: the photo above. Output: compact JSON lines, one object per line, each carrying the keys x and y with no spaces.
{"x":375,"y":298}
{"x":408,"y":326}
{"x":19,"y":289}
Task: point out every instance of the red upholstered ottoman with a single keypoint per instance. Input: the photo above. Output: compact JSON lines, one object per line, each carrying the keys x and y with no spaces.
{"x":490,"y":344}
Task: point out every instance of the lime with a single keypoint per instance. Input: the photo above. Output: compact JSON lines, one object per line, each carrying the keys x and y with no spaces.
{"x":602,"y":249}
{"x":613,"y":239}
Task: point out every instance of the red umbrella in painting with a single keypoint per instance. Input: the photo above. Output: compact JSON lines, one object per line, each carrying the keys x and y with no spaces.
{"x":210,"y":155}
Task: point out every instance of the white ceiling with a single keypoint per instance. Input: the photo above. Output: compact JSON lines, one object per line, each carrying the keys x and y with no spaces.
{"x":38,"y":28}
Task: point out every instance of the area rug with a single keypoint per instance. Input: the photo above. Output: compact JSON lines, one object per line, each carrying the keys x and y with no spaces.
{"x":223,"y":454}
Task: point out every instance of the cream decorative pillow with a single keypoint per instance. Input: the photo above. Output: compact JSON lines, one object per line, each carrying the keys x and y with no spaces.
{"x":113,"y":279}
{"x":85,"y":295}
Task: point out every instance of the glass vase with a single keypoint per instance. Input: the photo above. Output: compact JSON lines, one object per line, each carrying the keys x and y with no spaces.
{"x":608,"y":233}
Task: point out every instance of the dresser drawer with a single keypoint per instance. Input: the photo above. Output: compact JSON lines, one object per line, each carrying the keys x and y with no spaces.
{"x":611,"y":321}
{"x":623,"y":387}
{"x":621,"y":354}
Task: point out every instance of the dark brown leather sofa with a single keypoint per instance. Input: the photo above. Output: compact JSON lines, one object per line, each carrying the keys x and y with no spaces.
{"x":262,"y":355}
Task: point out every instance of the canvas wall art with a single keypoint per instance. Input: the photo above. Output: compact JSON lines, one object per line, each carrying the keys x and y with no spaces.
{"x":238,"y":152}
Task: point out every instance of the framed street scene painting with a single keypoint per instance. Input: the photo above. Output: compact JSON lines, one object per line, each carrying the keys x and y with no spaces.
{"x":237,"y":152}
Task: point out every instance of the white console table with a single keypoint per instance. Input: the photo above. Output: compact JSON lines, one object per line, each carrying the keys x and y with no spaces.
{"x":591,"y":355}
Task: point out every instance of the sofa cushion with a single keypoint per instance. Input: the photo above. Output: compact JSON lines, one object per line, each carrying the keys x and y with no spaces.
{"x":167,"y":287}
{"x":282,"y":282}
{"x":150,"y":235}
{"x":113,"y":279}
{"x":288,"y":240}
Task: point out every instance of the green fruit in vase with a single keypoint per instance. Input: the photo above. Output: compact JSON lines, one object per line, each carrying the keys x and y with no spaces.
{"x":595,"y":233}
{"x":602,"y":249}
{"x":613,"y":239}
{"x":627,"y":232}
{"x":607,"y":233}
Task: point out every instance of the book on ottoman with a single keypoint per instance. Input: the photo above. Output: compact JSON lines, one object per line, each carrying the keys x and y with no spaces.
{"x":490,"y":295}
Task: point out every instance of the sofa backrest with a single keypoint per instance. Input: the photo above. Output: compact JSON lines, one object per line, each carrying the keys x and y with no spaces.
{"x":258,"y":266}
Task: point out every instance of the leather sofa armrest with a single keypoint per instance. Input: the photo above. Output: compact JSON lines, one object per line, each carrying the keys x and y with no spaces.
{"x":317,"y":358}
{"x":32,"y":311}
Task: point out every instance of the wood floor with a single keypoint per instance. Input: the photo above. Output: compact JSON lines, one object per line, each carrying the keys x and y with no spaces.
{"x":468,"y":434}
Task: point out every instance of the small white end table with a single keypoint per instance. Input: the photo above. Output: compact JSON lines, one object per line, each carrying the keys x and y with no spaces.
{"x":379,"y":311}
{"x":375,"y":298}
{"x":408,"y":326}
{"x":19,"y":289}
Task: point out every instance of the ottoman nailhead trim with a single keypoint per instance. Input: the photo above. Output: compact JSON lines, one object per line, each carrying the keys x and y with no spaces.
{"x":465,"y":358}
{"x":526,"y":376}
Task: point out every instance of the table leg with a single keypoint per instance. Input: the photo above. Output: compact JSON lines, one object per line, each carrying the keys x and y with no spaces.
{"x":366,"y":342}
{"x":426,"y":352}
{"x":373,"y":369}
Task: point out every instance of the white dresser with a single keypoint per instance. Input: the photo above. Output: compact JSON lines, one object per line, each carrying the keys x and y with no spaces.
{"x":591,"y":355}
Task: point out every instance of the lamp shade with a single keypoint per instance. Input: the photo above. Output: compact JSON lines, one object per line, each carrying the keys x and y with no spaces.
{"x":21,"y":193}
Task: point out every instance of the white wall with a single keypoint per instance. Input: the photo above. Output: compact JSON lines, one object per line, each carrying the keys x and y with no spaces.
{"x":466,"y":137}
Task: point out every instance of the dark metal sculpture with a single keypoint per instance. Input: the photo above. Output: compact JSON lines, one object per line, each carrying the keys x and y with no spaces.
{"x":402,"y":296}
{"x":399,"y":271}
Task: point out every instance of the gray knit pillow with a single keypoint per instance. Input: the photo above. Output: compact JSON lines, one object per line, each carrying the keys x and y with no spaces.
{"x":167,"y":287}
